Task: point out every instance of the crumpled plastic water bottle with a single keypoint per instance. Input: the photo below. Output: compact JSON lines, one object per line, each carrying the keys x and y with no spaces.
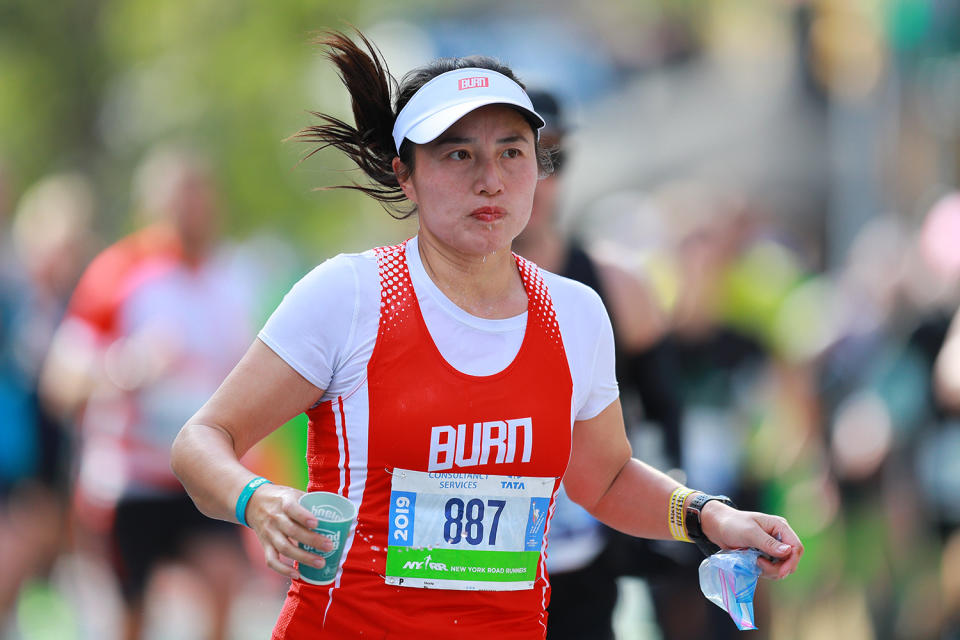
{"x":728,"y":579}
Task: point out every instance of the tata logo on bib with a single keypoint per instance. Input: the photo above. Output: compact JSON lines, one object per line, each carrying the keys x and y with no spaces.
{"x":471,"y":446}
{"x":476,"y":82}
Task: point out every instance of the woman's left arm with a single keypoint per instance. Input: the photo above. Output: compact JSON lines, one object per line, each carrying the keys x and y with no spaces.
{"x":633,"y":497}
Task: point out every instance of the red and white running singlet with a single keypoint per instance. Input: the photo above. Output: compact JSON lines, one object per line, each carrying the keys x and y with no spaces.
{"x":417,"y":415}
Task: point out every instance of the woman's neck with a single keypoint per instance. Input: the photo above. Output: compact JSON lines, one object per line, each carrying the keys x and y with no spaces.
{"x":487,"y":286}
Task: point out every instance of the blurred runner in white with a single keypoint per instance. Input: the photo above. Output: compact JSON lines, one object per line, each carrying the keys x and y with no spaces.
{"x":153,"y":327}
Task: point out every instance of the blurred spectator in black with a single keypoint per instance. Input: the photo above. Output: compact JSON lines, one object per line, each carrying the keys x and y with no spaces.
{"x":585,"y":558}
{"x":154,"y":325}
{"x":719,"y":368}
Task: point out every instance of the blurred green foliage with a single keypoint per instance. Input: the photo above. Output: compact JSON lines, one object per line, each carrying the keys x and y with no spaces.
{"x":93,"y":84}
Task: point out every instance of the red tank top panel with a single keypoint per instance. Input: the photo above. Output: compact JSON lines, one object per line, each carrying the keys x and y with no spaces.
{"x":415,"y":405}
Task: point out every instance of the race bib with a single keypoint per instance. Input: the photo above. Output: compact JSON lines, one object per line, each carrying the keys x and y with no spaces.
{"x":466,"y":531}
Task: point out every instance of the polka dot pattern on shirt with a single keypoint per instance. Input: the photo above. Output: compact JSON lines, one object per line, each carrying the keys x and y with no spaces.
{"x":540,"y":307}
{"x":396,"y":292}
{"x":396,"y":288}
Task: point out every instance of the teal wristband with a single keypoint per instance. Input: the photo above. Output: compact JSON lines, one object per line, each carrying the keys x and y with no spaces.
{"x":245,"y":496}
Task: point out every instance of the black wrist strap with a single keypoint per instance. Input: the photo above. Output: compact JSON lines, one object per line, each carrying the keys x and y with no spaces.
{"x":694,"y":526}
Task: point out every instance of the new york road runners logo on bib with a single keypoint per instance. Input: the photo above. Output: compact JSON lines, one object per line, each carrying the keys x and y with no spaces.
{"x":466,"y":531}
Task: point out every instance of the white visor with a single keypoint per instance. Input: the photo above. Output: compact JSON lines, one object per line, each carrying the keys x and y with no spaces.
{"x":450,"y":96}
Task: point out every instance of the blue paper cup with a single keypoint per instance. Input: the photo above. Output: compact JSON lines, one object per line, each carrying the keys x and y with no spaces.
{"x":335,"y":515}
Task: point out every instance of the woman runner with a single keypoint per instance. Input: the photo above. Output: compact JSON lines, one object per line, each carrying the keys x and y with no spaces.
{"x":446,"y":380}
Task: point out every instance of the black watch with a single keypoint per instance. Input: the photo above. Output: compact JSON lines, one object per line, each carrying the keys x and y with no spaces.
{"x":691,"y":520}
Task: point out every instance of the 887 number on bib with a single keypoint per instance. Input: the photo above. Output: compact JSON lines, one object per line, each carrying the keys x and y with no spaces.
{"x":465,"y":521}
{"x":436,"y":520}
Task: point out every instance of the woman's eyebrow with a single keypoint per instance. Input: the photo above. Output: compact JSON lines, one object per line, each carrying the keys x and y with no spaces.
{"x":452,"y":140}
{"x":446,"y":140}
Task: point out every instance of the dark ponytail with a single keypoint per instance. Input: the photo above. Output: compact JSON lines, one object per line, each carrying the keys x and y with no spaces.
{"x":370,"y":143}
{"x":376,"y":99}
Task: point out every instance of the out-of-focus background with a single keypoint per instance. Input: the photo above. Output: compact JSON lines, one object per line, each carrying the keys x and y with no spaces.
{"x":784,"y":174}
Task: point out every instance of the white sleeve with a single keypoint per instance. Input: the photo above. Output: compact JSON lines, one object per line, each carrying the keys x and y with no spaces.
{"x":314,"y":325}
{"x":588,"y":341}
{"x":601,"y":382}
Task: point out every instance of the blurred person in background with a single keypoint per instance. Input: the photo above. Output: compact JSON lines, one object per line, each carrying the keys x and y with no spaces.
{"x":155,"y":323}
{"x":364,"y":345}
{"x":716,"y":359}
{"x":50,"y":243}
{"x":932,"y":285}
{"x":586,"y":558}
{"x":875,"y":485}
{"x":938,"y":469}
{"x":726,"y":278}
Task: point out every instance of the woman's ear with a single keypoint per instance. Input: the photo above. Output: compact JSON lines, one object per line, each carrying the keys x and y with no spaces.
{"x":404,"y":179}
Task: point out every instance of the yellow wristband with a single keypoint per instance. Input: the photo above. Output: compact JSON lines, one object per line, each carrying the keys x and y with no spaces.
{"x":675,"y":519}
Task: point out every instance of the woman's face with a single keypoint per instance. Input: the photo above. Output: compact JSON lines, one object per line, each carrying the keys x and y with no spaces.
{"x":474,"y":185}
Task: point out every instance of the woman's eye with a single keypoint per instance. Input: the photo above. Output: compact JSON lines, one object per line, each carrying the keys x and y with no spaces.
{"x":459,"y":154}
{"x":511,"y":153}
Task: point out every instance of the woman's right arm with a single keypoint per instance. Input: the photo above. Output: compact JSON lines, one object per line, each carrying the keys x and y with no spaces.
{"x":262,"y":393}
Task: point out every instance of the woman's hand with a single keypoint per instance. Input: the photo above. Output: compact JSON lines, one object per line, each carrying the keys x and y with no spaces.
{"x":734,"y":529}
{"x":280,"y":522}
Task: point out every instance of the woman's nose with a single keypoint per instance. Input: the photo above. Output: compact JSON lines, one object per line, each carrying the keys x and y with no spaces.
{"x":489,"y":178}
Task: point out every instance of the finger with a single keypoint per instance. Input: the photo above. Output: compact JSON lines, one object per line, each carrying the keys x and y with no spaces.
{"x":771,"y":546}
{"x":274,"y":562}
{"x":292,"y":550}
{"x":789,"y":564}
{"x":769,"y":570}
{"x":776,"y":538}
{"x":788,"y":537}
{"x":309,"y":537}
{"x":300,"y":514}
{"x":779,"y":569}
